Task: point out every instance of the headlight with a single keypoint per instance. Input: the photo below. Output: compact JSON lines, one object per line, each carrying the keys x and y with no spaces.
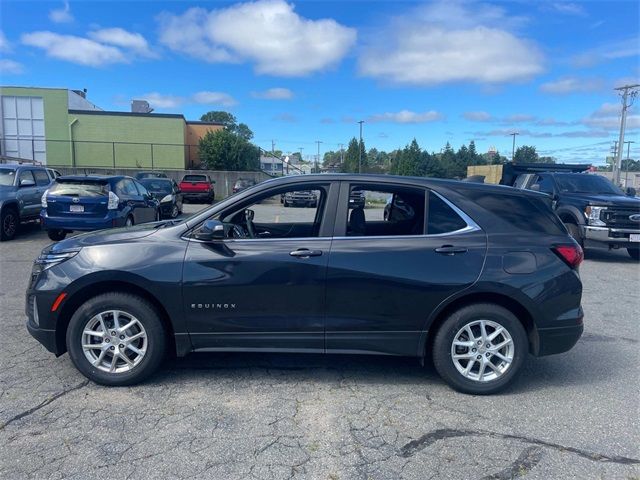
{"x":51,"y":259}
{"x":593,"y":215}
{"x":167,"y":198}
{"x":43,"y":200}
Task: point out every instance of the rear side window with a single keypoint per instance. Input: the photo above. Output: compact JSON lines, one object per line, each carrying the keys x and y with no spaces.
{"x":42,"y":178}
{"x":523,"y":212}
{"x":441,"y":218}
{"x":126,"y":188}
{"x":79,"y":189}
{"x":194,"y":178}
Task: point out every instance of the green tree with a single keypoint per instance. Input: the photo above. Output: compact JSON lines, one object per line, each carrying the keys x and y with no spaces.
{"x":526,"y":154}
{"x":230,"y":123}
{"x":224,"y":150}
{"x":546,"y":160}
{"x":352,"y":157}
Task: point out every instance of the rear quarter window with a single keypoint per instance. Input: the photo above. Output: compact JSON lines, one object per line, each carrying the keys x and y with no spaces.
{"x":521,"y":211}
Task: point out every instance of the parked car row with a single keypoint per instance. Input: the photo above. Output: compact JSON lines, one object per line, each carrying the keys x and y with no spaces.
{"x":68,"y":203}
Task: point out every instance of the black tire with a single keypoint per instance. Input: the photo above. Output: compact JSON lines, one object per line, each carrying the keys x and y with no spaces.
{"x":212,"y":199}
{"x":142,"y":310}
{"x":9,"y":222}
{"x":634,"y":253}
{"x":443,"y":342}
{"x":574,"y":231}
{"x":175,"y":211}
{"x":129,"y":221}
{"x":286,"y":205}
{"x":56,"y":235}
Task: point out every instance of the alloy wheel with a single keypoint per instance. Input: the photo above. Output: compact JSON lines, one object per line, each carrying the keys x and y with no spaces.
{"x":482,"y":350}
{"x":9,"y":224}
{"x":114,"y":341}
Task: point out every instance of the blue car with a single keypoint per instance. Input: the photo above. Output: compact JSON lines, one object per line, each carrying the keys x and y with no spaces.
{"x":95,"y":202}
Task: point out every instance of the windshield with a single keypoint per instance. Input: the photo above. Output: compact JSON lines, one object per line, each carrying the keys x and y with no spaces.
{"x":79,"y":188}
{"x":156,"y":186}
{"x":7,"y":175}
{"x":586,"y":183}
{"x":244,"y":183}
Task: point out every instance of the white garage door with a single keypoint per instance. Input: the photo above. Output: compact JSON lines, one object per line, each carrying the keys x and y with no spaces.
{"x":23,"y":128}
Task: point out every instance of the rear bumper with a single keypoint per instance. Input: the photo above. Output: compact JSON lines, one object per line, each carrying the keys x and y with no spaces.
{"x":611,"y":236}
{"x":85,"y":224}
{"x":196,"y":195}
{"x":560,"y":339}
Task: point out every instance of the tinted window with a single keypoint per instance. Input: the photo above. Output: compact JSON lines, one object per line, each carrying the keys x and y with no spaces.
{"x":384,"y":210}
{"x":126,"y":188}
{"x":25,"y":175}
{"x":586,"y":183}
{"x":7,"y":176}
{"x":141,"y":188}
{"x":158,"y":186}
{"x":79,"y":188}
{"x":522,"y":212}
{"x":194,"y":178}
{"x":41,"y":177}
{"x":441,"y":218}
{"x":546,"y":184}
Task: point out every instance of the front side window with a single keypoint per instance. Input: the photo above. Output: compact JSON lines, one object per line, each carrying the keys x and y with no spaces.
{"x":25,"y":175}
{"x":385,"y":211}
{"x":294,"y":213}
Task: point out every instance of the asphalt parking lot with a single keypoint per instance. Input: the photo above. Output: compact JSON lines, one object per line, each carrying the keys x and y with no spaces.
{"x":236,"y":416}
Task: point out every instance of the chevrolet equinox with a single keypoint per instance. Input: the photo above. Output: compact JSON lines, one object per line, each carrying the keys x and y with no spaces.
{"x":475,"y":276}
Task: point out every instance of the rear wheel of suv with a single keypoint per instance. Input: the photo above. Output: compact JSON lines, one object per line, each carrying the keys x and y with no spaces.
{"x":634,"y":253}
{"x":9,"y":221}
{"x":116,"y":339}
{"x":56,"y":235}
{"x":480,"y":348}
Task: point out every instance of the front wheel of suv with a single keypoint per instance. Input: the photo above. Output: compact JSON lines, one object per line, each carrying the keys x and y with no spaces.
{"x":9,"y":221}
{"x":480,"y":349}
{"x":634,"y":253}
{"x":116,"y":339}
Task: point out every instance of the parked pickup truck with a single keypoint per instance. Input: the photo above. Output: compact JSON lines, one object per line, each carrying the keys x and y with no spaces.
{"x":197,"y":187}
{"x":21,"y":188}
{"x":594,"y":210}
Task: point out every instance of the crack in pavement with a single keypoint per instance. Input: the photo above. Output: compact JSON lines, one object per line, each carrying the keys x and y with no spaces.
{"x":528,"y":459}
{"x":44,"y":403}
{"x":430,"y":438}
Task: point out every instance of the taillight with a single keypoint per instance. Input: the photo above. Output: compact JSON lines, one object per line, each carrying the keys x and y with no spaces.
{"x":112,"y":204}
{"x":571,"y":254}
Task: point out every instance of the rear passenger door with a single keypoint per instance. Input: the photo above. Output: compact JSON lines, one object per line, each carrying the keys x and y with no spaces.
{"x":388,"y":271}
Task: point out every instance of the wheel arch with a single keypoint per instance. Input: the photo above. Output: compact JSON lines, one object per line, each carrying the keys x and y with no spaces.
{"x":520,"y":311}
{"x":118,"y":286}
{"x":10,"y":204}
{"x":570,"y":214}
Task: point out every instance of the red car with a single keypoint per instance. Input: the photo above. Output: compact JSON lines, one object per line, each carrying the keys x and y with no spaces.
{"x":197,"y":187}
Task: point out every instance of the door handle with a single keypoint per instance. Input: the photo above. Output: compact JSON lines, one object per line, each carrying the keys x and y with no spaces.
{"x":305,"y":253}
{"x":450,"y":250}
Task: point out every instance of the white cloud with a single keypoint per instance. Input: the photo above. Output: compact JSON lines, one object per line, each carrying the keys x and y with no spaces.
{"x":451,"y":42}
{"x":570,"y":84}
{"x":519,"y":118}
{"x":104,"y":47}
{"x":608,"y":117}
{"x":61,"y":15}
{"x":406,"y":116}
{"x":5,"y":46}
{"x":286,"y":117}
{"x":568,"y":8}
{"x":169,"y":102}
{"x":74,"y":49}
{"x":274,"y":94}
{"x":120,"y":37}
{"x":629,"y":47}
{"x":214,"y":98}
{"x":477,"y":116}
{"x":9,"y":67}
{"x":267,"y":33}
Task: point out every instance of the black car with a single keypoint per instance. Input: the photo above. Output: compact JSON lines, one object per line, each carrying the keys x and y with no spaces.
{"x":167,"y":193}
{"x":594,"y":210}
{"x":301,"y":198}
{"x":478,"y":277}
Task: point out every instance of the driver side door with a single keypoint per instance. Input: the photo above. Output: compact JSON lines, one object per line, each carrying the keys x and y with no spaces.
{"x":265,"y":293}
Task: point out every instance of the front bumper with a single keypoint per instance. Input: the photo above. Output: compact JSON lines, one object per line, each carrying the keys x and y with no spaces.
{"x":611,"y":236}
{"x":37,"y":315}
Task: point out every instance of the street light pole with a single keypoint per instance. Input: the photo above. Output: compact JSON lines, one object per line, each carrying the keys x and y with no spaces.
{"x":513,"y":148}
{"x":318,"y":157}
{"x":360,"y":148}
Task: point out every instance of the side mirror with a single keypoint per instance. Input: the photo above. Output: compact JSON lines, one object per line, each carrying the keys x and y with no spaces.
{"x":631,"y":192}
{"x":27,"y":183}
{"x":209,"y":231}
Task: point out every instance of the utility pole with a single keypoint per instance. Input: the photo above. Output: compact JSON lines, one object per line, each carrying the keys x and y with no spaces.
{"x":273,"y":147}
{"x":626,"y":170}
{"x":628,"y":94}
{"x":318,"y":157}
{"x":513,"y":148}
{"x":360,"y":148}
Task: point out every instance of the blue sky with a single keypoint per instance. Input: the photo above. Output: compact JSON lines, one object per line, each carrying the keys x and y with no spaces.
{"x":297,"y":72}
